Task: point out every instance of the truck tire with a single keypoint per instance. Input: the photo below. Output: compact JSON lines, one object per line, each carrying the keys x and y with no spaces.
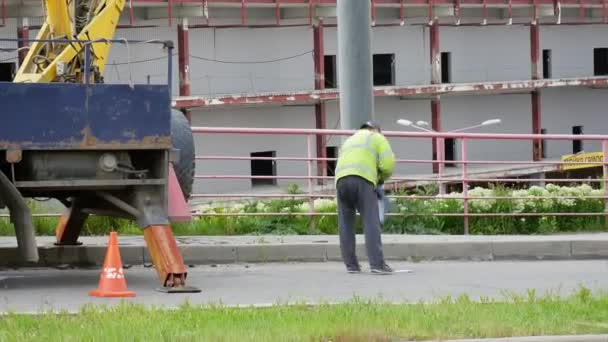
{"x":183,"y":140}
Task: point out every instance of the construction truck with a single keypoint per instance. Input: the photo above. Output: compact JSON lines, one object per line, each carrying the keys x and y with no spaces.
{"x":100,"y":149}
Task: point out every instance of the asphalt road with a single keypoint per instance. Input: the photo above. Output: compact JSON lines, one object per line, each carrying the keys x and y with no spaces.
{"x":36,"y":290}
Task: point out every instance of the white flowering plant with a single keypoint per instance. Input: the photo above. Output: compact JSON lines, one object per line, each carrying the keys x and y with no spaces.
{"x":431,"y":214}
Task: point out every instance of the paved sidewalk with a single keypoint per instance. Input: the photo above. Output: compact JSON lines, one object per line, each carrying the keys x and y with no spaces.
{"x":30,"y":290}
{"x":319,"y":248}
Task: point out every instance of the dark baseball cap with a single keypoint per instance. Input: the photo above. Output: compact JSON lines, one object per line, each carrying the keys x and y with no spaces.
{"x":371,"y":124}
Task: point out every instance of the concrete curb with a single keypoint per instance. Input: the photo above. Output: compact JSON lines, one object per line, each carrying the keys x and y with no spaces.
{"x":569,"y":338}
{"x":250,"y":249}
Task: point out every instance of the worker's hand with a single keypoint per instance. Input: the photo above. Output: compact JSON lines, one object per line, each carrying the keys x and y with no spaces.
{"x":380,"y":191}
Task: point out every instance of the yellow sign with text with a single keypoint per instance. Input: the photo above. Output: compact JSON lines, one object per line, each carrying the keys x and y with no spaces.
{"x":591,"y":157}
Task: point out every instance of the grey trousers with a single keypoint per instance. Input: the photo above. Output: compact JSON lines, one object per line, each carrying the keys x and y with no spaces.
{"x":357,"y":194}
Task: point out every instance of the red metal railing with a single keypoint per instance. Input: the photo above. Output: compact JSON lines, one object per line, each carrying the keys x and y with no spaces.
{"x":463,"y":176}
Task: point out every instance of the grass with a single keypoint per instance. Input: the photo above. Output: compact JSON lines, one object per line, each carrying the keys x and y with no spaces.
{"x":358,"y":320}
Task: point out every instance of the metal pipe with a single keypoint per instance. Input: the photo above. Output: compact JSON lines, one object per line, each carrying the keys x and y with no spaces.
{"x":87,"y":63}
{"x":23,"y":33}
{"x":305,"y":196}
{"x":451,"y":89}
{"x":435,"y":61}
{"x":441,"y":158}
{"x":101,"y":40}
{"x":261,"y":158}
{"x":311,"y":10}
{"x":259,"y":177}
{"x":355,"y":63}
{"x":496,"y":180}
{"x":21,"y":217}
{"x":387,"y":3}
{"x":183,"y":52}
{"x":500,"y":214}
{"x":535,"y":96}
{"x":404,"y":161}
{"x":426,"y":24}
{"x":605,"y":178}
{"x":402,"y":134}
{"x":465,"y":185}
{"x":261,"y":195}
{"x":535,"y":50}
{"x":537,"y":146}
{"x":120,"y":204}
{"x":243,"y":13}
{"x":455,"y":178}
{"x":131,"y":13}
{"x":387,"y":214}
{"x":311,"y":199}
{"x":407,"y":197}
{"x":320,"y":110}
{"x":277,"y":12}
{"x":169,"y":46}
{"x":170,"y":12}
{"x":373,"y":10}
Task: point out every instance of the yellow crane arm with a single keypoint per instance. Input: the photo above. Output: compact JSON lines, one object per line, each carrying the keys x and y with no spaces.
{"x":64,"y":62}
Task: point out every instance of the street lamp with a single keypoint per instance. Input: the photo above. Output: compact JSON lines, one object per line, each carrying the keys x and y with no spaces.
{"x":418,"y":125}
{"x":424,"y":126}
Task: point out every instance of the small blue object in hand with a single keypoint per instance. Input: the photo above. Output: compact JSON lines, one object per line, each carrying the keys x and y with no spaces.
{"x":381,"y":202}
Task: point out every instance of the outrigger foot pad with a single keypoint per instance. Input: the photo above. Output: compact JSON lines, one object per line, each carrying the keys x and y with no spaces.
{"x":181,"y":289}
{"x":167,"y":259}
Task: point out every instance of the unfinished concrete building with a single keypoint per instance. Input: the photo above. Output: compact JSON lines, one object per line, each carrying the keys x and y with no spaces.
{"x":541,"y":66}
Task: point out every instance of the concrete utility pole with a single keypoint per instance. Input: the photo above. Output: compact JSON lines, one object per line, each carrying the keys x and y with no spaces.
{"x":355,"y":63}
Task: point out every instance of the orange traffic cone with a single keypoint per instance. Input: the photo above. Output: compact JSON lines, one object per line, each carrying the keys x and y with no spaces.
{"x":112,"y":282}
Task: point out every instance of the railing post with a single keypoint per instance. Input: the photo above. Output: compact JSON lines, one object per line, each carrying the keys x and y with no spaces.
{"x":183,"y":61}
{"x":23,"y":33}
{"x":320,"y":107}
{"x":311,"y":200}
{"x":605,"y":178}
{"x":465,"y":185}
{"x":441,"y":163}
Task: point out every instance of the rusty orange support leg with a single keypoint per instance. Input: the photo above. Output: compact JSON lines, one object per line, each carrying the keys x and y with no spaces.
{"x":69,"y":226}
{"x":166,"y":256}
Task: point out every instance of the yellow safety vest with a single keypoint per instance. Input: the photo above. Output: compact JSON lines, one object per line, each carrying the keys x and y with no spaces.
{"x":366,"y":154}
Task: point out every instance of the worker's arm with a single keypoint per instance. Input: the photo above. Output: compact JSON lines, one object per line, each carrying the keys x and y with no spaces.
{"x":386,"y":157}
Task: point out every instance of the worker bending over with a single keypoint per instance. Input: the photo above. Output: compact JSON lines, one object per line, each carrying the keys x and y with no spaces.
{"x":366,"y":160}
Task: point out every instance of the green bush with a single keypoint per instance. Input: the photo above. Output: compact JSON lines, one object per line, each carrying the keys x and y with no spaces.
{"x":522,"y":201}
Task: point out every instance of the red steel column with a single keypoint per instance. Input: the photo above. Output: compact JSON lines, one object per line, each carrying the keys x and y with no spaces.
{"x":23,"y":32}
{"x":183,"y":52}
{"x":435,"y":79}
{"x":320,"y":113}
{"x":536,"y":110}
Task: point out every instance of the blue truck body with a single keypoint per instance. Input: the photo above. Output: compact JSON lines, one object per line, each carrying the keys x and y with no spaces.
{"x":59,"y":116}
